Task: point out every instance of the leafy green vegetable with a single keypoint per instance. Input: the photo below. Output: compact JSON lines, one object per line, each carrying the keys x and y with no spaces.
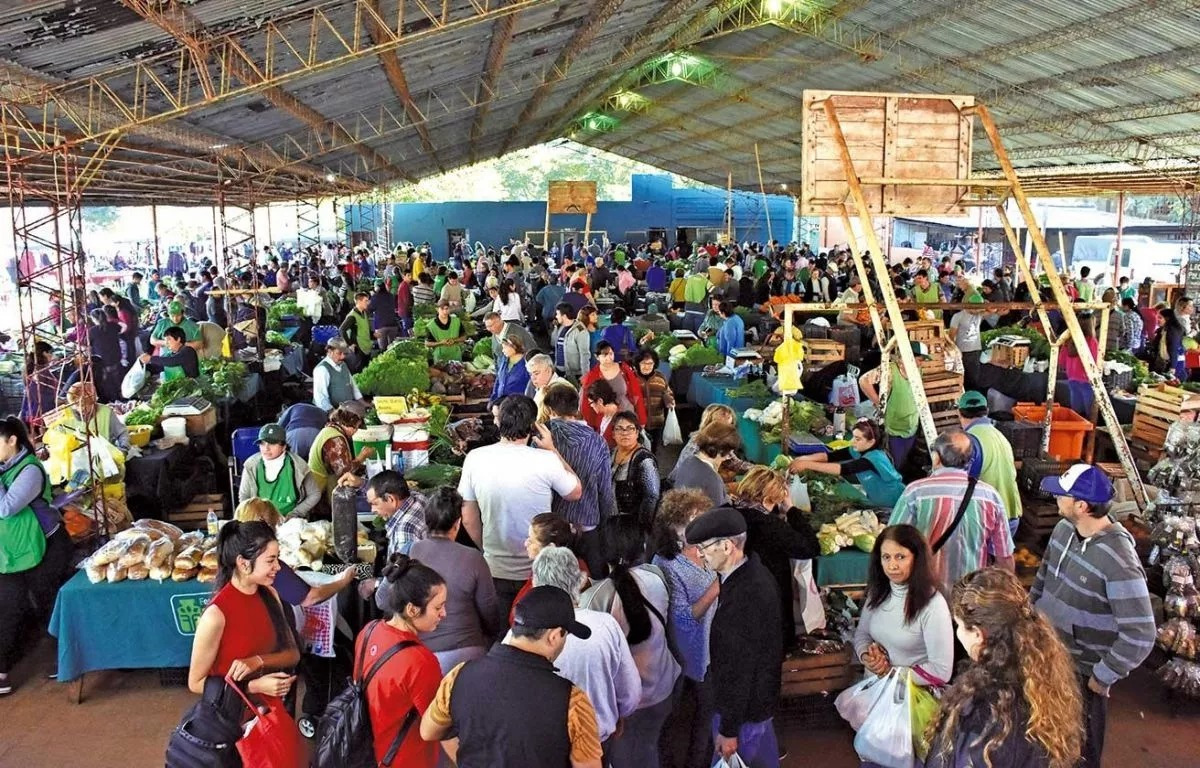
{"x":865,"y":542}
{"x":227,"y":376}
{"x":409,"y":350}
{"x":433,"y":475}
{"x":1141,"y":371}
{"x":170,"y":391}
{"x":390,"y":375}
{"x":143,"y":415}
{"x":663,"y":346}
{"x":1039,"y":347}
{"x":278,"y":310}
{"x":482,"y":347}
{"x":755,"y":389}
{"x":276,"y":339}
{"x":699,"y":356}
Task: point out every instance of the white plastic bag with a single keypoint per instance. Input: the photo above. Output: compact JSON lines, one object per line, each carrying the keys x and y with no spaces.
{"x":886,"y":735}
{"x":733,"y":761}
{"x":672,"y":435}
{"x":810,"y":610}
{"x":135,"y":379}
{"x":799,"y":491}
{"x":855,"y":703}
{"x":844,"y":392}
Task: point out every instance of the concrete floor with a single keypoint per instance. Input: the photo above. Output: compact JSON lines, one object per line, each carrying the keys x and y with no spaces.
{"x":125,"y":718}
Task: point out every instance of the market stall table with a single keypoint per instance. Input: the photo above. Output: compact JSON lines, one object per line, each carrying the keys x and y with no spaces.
{"x":157,"y":481}
{"x":846,"y":567}
{"x":128,"y":625}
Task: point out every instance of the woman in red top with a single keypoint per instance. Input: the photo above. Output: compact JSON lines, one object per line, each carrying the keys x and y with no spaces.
{"x":414,"y":598}
{"x":618,"y":385}
{"x":243,"y":633}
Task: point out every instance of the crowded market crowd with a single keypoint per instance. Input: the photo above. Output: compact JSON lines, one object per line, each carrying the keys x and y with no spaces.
{"x":572,"y":601}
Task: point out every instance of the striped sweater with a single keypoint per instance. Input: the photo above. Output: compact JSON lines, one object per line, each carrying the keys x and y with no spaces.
{"x":1094,"y":593}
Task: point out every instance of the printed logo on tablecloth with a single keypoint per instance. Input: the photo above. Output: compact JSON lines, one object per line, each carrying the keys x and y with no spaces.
{"x":187,"y":609}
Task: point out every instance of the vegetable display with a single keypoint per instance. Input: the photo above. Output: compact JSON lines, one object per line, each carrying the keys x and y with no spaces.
{"x":1039,"y":347}
{"x":1141,"y":371}
{"x":143,"y":415}
{"x":389,"y":374}
{"x":433,"y":475}
{"x":853,"y":529}
{"x":697,"y":356}
{"x":482,"y":347}
{"x":280,"y":309}
{"x":756,"y":389}
{"x":227,"y":376}
{"x":803,"y":416}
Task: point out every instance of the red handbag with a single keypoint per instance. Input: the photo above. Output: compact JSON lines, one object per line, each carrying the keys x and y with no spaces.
{"x":271,"y":739}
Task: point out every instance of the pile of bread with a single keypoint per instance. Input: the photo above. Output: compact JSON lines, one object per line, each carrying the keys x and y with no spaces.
{"x":152,"y":549}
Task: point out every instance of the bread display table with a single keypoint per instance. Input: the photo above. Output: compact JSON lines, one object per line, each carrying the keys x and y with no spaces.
{"x":128,"y":625}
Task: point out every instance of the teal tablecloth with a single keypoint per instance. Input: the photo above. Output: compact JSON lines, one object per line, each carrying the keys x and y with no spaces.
{"x":127,"y":625}
{"x":848,"y":566}
{"x":755,"y":449}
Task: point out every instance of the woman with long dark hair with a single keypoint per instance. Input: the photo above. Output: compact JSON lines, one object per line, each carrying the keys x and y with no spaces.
{"x":865,"y":462}
{"x":35,"y":550}
{"x":905,"y":621}
{"x":243,"y":632}
{"x":413,"y":596}
{"x":507,"y":302}
{"x":546,"y":529}
{"x":1018,"y":704}
{"x":636,"y":595}
{"x":636,"y":482}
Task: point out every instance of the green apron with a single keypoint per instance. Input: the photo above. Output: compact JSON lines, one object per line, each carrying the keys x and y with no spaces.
{"x":900,"y":416}
{"x":22,"y":541}
{"x":453,"y":352}
{"x":315,"y":464}
{"x":282,"y":493}
{"x":362,"y":332}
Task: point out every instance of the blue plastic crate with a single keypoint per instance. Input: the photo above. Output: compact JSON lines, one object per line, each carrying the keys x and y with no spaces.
{"x":321,"y":334}
{"x":245,"y":444}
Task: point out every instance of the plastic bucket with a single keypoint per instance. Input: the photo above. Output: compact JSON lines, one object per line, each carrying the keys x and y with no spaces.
{"x":175,"y":426}
{"x":415,"y":453}
{"x":1067,"y":429}
{"x":376,"y":438}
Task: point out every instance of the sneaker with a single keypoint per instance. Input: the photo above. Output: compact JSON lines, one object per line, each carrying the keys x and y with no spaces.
{"x":782,"y":752}
{"x":308,"y":728}
{"x":52,"y":674}
{"x":5,"y":686}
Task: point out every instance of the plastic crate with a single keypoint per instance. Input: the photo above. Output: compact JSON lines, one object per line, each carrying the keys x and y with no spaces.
{"x":1067,"y":429}
{"x":245,"y":444}
{"x":321,"y":334}
{"x":1114,"y":380}
{"x":1025,"y":437}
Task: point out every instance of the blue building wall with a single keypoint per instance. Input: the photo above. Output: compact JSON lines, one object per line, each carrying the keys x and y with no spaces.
{"x":655,"y":204}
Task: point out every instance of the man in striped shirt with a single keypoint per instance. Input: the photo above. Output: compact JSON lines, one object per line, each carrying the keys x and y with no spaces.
{"x":1092,"y":588}
{"x":981,"y":538}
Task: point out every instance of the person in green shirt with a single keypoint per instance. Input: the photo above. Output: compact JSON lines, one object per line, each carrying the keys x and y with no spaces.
{"x":760,"y":267}
{"x":447,"y":335}
{"x":901,"y":420}
{"x":175,"y":318}
{"x":1127,"y":290}
{"x":279,"y":476}
{"x":995,"y":462}
{"x":695,"y":293}
{"x":1085,"y":287}
{"x":927,"y":292}
{"x":356,"y":328}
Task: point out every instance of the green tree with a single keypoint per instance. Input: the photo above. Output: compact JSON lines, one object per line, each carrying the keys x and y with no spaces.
{"x":100,"y":216}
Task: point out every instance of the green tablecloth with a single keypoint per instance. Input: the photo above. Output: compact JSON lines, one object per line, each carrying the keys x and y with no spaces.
{"x":755,"y":449}
{"x":848,"y":566}
{"x":127,"y":625}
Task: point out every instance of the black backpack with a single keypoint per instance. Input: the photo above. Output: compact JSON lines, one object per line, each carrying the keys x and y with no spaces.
{"x":344,"y":736}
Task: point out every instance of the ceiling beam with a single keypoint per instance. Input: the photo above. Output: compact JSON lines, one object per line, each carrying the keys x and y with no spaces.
{"x":176,"y":21}
{"x":493,"y":64}
{"x":588,"y":28}
{"x":279,"y":51}
{"x":1157,"y":147}
{"x":394,"y":71}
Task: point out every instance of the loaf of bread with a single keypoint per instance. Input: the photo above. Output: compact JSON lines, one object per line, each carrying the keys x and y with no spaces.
{"x":170,"y":531}
{"x":209,"y":559}
{"x":160,"y":552}
{"x":207,"y":575}
{"x":183,"y":574}
{"x":136,"y":553}
{"x":110,"y":552}
{"x":116,"y":573}
{"x":96,"y":573}
{"x":137,"y":572}
{"x":162,"y":572}
{"x":189,"y":558}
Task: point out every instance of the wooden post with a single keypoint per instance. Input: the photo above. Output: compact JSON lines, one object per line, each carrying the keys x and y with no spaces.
{"x":546,"y":230}
{"x":979,"y":243}
{"x":587,"y":230}
{"x":154,"y":227}
{"x":729,"y":207}
{"x":1062,"y":248}
{"x":1089,"y":450}
{"x":763,"y":190}
{"x":1120,"y":232}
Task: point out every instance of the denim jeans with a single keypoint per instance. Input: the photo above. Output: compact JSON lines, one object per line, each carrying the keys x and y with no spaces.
{"x":638,"y":745}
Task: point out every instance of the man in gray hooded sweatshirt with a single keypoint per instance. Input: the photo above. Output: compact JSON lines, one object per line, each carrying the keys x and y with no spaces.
{"x":1092,"y":588}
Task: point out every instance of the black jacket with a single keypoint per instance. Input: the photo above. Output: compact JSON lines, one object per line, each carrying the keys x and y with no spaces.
{"x":974,"y":730}
{"x":777,"y":542}
{"x":746,"y":654}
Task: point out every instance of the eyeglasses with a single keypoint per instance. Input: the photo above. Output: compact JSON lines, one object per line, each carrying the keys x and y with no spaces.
{"x":626,"y":428}
{"x":708,"y":545}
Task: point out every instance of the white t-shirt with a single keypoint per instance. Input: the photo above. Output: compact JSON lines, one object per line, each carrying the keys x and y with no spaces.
{"x":966,"y":331}
{"x":603,"y":668}
{"x":511,"y":310}
{"x":511,"y":483}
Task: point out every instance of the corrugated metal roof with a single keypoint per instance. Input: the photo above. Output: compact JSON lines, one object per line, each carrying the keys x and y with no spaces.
{"x":1070,"y":82}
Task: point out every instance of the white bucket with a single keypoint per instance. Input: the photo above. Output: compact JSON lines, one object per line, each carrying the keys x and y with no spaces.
{"x":410,"y":432}
{"x":175,"y":426}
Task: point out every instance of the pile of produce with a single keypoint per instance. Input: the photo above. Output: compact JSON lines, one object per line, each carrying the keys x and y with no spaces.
{"x":1039,"y":347}
{"x":390,"y":374}
{"x":279,"y":310}
{"x":756,"y":390}
{"x":695,"y":356}
{"x":431,"y":476}
{"x":152,"y":549}
{"x":1141,"y":371}
{"x":226,"y":376}
{"x":276,"y":339}
{"x":803,"y":416}
{"x":853,"y":529}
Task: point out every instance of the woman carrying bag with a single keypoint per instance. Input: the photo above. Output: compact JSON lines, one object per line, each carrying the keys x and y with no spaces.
{"x":244,"y":637}
{"x":636,"y":483}
{"x":905,"y":625}
{"x":1018,"y":703}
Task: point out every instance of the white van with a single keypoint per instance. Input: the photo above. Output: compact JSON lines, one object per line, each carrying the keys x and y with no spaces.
{"x":1141,"y":257}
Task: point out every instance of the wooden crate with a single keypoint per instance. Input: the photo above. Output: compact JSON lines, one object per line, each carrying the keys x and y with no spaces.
{"x":194,"y":515}
{"x":1158,"y":408}
{"x":1004,"y":356}
{"x":200,"y":424}
{"x":920,"y":330}
{"x":819,"y":353}
{"x":1038,"y":519}
{"x":805,"y":675}
{"x":942,"y":389}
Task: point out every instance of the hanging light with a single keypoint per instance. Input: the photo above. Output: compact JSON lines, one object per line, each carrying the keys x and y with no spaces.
{"x":677,"y":68}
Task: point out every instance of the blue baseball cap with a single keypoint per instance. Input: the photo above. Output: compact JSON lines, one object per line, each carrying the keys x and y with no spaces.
{"x":1082,"y":482}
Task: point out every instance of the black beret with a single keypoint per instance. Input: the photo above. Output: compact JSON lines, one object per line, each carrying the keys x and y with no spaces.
{"x":718,"y":523}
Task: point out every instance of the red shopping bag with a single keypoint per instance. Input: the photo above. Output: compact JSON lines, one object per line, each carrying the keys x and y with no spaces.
{"x":271,"y":738}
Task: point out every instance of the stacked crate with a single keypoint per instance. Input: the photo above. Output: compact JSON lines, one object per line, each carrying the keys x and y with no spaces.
{"x":1158,"y":407}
